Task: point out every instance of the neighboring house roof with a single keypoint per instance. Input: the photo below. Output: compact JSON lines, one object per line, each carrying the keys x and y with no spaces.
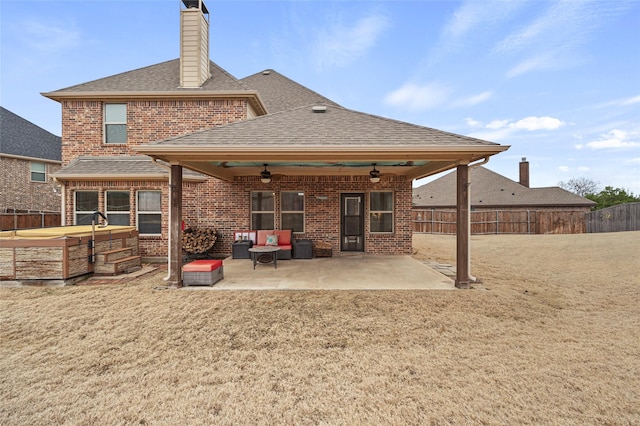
{"x":21,"y":138}
{"x":160,"y":80}
{"x":119,"y":168}
{"x":338,"y":137}
{"x":280,"y":93}
{"x":490,"y":189}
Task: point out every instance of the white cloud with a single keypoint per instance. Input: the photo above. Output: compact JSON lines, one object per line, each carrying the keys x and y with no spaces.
{"x":418,"y":97}
{"x":633,"y":161}
{"x":340,"y":45}
{"x":631,"y":101}
{"x":615,"y":139}
{"x":539,"y":62}
{"x":473,"y":100}
{"x":584,"y":168}
{"x":497,"y":124}
{"x":48,"y":38}
{"x":563,"y":169}
{"x":472,"y":123}
{"x":537,"y":123}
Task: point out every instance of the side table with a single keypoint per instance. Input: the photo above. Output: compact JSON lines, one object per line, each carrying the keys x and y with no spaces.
{"x":240,"y":249}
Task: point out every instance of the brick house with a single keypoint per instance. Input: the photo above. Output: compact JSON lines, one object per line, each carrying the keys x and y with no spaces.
{"x":184,"y":140}
{"x":29,"y":156}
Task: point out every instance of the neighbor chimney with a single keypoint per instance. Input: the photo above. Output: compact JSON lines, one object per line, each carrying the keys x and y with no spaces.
{"x":524,"y":172}
{"x":194,"y":44}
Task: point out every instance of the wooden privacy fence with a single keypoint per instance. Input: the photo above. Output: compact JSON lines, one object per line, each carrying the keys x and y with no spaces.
{"x":434,"y":221}
{"x":623,"y":217}
{"x":10,"y":221}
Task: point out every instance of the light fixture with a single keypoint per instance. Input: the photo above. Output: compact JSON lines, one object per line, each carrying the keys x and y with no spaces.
{"x":265,"y":175}
{"x":374,"y":175}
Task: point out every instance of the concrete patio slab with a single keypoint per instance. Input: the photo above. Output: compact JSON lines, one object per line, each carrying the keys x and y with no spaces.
{"x":332,"y":273}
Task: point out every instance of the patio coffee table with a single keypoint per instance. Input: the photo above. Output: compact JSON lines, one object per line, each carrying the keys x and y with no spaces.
{"x":264,"y":254}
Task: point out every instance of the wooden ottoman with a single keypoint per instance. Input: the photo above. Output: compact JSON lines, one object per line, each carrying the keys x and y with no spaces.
{"x":202,"y":272}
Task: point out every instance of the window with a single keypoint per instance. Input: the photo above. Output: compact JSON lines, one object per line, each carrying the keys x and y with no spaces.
{"x":86,"y":202}
{"x":381,"y":211}
{"x":115,"y":123}
{"x":38,"y":172}
{"x":117,"y":207}
{"x":262,"y":210}
{"x":292,"y":211}
{"x":149,"y":212}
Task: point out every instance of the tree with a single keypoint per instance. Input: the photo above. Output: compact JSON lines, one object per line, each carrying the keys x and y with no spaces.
{"x":610,"y":196}
{"x":581,"y":186}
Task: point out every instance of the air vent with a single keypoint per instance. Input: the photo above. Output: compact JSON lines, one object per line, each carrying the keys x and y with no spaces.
{"x":319,"y":108}
{"x":266,"y":72}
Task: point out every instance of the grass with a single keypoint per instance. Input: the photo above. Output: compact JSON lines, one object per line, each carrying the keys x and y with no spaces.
{"x":553,"y":340}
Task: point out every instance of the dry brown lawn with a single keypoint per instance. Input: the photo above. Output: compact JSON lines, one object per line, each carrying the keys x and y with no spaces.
{"x":554,"y":338}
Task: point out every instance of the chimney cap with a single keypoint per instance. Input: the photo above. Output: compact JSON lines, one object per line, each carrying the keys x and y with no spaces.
{"x":195,"y":4}
{"x":524,"y":159}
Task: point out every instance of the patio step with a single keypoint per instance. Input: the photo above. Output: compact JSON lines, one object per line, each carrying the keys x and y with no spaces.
{"x":118,"y":261}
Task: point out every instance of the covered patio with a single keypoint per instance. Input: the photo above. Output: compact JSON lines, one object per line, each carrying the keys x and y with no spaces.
{"x":321,"y":140}
{"x":338,"y":273}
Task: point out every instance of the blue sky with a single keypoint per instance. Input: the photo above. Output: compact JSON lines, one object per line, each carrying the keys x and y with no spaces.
{"x":559,"y":81}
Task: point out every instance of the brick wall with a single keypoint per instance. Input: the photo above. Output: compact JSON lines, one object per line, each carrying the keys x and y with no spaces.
{"x":225,"y":206}
{"x":147,"y":121}
{"x":18,"y":192}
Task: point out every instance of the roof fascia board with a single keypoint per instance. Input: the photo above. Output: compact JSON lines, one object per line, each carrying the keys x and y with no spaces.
{"x":23,"y":157}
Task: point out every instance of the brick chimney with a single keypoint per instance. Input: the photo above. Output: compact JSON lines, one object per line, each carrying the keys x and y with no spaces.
{"x":194,"y":44}
{"x":524,"y":172}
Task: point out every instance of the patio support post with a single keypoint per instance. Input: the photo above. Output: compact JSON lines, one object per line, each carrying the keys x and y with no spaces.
{"x":175,"y":230}
{"x":463,"y":253}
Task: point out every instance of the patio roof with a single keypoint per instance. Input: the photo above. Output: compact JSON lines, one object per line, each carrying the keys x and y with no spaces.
{"x":320,"y":140}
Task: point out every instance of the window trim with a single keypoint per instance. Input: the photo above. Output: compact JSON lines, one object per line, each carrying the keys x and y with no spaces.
{"x":43,"y":173}
{"x":392,"y":212}
{"x":271,"y":212}
{"x":150,"y":212}
{"x":107,"y":212}
{"x":75,"y":204}
{"x":106,"y":123}
{"x":303,"y":211}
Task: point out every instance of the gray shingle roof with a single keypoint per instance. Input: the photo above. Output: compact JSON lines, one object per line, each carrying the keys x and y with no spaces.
{"x":162,"y":77}
{"x":280,"y":93}
{"x":490,"y":189}
{"x":336,"y":126}
{"x":23,"y":138}
{"x":120,"y":167}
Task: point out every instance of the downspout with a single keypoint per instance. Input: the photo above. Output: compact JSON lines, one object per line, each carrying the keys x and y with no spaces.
{"x":63,"y":198}
{"x":155,"y":161}
{"x":485,"y":160}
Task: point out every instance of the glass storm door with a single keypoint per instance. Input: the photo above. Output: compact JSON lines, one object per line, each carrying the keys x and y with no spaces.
{"x":352,"y":222}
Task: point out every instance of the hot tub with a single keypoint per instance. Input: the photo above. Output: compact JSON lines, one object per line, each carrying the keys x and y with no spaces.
{"x":61,"y":253}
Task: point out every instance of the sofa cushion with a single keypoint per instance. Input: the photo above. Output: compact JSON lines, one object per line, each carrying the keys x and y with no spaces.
{"x":272,"y":240}
{"x":284,"y":236}
{"x":202,"y":265}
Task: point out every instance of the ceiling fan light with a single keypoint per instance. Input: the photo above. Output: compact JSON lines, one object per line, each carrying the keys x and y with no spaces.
{"x":265,"y":175}
{"x":374,"y":175}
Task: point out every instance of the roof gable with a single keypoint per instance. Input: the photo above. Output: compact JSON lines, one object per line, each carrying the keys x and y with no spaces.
{"x":22,"y":138}
{"x":491,"y":189}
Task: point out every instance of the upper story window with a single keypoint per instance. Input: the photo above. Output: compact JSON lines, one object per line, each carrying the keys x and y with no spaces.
{"x":115,"y":123}
{"x":263,"y":210}
{"x":381,"y":211}
{"x":292,"y":211}
{"x":117,"y":203}
{"x":85,"y":203}
{"x":38,"y":171}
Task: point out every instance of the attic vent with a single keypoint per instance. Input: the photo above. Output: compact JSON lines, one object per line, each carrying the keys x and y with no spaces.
{"x":266,"y":72}
{"x":319,"y":108}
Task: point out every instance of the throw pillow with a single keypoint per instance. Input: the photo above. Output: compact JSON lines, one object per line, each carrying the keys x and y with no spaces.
{"x":272,"y":240}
